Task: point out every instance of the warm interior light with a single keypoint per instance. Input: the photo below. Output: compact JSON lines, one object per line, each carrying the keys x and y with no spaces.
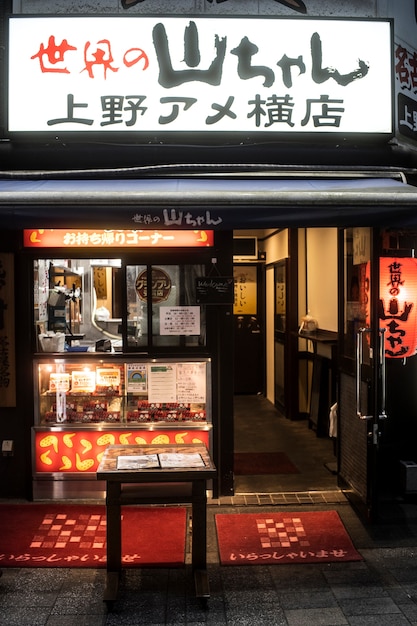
{"x":398,"y":305}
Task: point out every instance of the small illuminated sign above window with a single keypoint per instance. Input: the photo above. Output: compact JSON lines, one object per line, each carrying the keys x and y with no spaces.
{"x":84,"y":238}
{"x":164,"y":75}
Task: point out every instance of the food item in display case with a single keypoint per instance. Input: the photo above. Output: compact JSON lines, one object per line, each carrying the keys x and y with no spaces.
{"x":113,"y":417}
{"x":108,"y":391}
{"x":198,"y":415}
{"x":114,"y":410}
{"x":166,"y":412}
{"x":95,"y":405}
{"x":138,"y":416}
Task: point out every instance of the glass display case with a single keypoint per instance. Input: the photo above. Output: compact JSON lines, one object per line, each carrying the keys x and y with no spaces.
{"x":84,"y":404}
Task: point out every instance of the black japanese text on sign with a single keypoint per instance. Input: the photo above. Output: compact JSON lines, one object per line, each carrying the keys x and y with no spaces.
{"x":179,"y":74}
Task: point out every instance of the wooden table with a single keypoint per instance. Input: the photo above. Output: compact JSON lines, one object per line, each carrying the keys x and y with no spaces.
{"x":156,"y":485}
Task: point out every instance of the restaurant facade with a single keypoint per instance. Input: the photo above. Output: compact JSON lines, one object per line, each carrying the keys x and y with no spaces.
{"x":202,"y":198}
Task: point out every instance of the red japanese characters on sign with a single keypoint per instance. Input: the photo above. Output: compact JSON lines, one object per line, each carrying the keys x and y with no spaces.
{"x":398,"y":306}
{"x":52,"y":57}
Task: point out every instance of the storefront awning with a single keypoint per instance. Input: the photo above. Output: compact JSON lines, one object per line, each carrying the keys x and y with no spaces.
{"x":207,"y":203}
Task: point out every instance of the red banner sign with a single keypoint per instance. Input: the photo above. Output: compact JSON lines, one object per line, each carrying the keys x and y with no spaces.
{"x":102,"y":239}
{"x":80,"y":451}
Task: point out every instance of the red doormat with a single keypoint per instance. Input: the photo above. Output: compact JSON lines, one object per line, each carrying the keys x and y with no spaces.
{"x":255,"y":463}
{"x":54,"y":535}
{"x":266,"y":539}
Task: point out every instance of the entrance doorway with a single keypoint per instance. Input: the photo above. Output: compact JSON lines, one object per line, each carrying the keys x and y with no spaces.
{"x":305,"y":462}
{"x":249,"y":326}
{"x":375,"y":377}
{"x":271,"y":421}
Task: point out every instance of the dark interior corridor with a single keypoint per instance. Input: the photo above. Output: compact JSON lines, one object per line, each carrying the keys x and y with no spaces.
{"x":260,"y":428}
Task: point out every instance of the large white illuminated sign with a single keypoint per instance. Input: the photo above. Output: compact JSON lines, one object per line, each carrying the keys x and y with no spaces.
{"x":158,"y":75}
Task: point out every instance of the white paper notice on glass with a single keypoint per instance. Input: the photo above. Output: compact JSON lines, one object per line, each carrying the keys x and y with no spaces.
{"x":177,"y":459}
{"x":179,"y":320}
{"x":137,"y":462}
{"x":191,"y":382}
{"x":162,"y":383}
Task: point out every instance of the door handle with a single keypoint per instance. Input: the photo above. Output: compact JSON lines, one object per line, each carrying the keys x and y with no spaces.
{"x":383,"y":358}
{"x":359,"y":362}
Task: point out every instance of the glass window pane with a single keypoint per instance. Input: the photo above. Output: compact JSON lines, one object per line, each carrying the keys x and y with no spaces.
{"x":137,"y":309}
{"x":357,"y":286}
{"x":176,"y":318}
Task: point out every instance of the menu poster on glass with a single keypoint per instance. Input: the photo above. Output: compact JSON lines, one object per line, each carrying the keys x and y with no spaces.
{"x":162,"y":384}
{"x":136,"y":377}
{"x":108,"y":377}
{"x":59,"y":382}
{"x":191,"y":383}
{"x":83,"y":382}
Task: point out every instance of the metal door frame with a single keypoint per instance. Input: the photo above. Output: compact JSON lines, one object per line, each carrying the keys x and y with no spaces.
{"x":369,"y":391}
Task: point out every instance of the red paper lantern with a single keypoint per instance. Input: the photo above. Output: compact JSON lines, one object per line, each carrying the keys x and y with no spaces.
{"x":397,"y":307}
{"x":365,"y":290}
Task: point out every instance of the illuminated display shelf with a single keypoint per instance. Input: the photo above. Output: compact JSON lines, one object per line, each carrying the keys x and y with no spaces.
{"x":84,"y":405}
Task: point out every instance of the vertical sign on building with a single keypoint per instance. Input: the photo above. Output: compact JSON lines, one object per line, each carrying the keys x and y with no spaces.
{"x":7,"y":333}
{"x":245,"y":302}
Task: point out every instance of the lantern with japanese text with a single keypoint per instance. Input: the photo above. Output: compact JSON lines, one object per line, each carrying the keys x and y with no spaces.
{"x":365,"y":290}
{"x":397,"y":307}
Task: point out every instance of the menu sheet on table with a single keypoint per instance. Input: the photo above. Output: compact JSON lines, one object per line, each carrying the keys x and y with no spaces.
{"x":176,"y":459}
{"x":164,"y":460}
{"x":137,"y":461}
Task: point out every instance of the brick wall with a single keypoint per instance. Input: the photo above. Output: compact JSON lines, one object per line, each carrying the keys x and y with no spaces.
{"x":353,"y":438}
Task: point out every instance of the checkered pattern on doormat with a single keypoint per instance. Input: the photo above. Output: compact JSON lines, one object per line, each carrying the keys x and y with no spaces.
{"x":287,"y":533}
{"x":59,"y":531}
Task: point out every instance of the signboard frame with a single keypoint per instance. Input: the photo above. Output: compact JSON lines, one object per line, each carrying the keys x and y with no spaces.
{"x":316,"y":71}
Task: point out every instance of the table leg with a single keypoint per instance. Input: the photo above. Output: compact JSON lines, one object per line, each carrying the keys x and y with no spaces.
{"x":114,"y":542}
{"x":199,"y":539}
